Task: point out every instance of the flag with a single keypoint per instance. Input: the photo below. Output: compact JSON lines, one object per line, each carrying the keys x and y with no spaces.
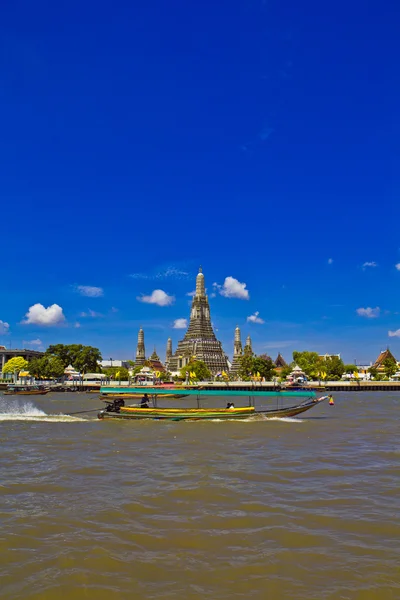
{"x":117,"y":374}
{"x":258,"y":374}
{"x":355,"y":374}
{"x":193,"y":375}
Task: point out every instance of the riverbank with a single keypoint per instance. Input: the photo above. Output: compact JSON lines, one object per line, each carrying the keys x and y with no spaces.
{"x":268,"y":386}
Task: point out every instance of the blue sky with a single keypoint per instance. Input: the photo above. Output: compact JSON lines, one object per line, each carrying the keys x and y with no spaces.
{"x":257,"y":138}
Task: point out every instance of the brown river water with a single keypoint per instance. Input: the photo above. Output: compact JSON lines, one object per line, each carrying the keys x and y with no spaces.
{"x":305,"y":508}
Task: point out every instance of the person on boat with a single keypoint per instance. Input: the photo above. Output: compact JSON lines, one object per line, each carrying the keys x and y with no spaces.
{"x":230,"y":405}
{"x":331,"y":400}
{"x":144,"y":403}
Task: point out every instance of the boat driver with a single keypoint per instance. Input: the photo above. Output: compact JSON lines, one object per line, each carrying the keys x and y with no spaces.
{"x":144,"y":403}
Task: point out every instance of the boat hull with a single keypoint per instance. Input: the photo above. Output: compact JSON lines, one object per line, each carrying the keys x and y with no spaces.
{"x":178,"y":414}
{"x":32,"y":393}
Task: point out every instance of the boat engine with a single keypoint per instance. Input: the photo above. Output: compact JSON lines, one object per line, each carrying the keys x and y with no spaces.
{"x":114,"y":405}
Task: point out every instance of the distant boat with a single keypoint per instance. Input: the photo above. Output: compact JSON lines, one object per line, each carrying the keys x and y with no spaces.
{"x":26,"y":390}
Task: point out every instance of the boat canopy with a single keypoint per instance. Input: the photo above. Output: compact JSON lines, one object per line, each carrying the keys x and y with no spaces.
{"x":120,"y":390}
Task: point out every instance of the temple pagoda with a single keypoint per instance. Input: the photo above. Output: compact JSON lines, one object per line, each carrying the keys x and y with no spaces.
{"x":384,"y":354}
{"x":248,"y":348}
{"x":237,"y":352}
{"x":155,"y":363}
{"x":140,"y":349}
{"x":280,"y":362}
{"x":168,"y":354}
{"x":200,"y":342}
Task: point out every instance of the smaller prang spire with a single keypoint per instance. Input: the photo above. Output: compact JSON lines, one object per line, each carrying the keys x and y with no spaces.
{"x":200,"y":287}
{"x":168,"y":354}
{"x":237,"y":352}
{"x":237,"y":345}
{"x":248,"y":349}
{"x":140,"y":349}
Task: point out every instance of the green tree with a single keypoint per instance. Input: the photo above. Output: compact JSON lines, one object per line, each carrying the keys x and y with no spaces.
{"x":350,"y":368}
{"x":246,"y":366}
{"x":46,"y":367}
{"x":15,"y":365}
{"x":264,"y":365}
{"x":165,"y":376}
{"x":390,"y":366}
{"x":66,"y":353}
{"x":309,"y":362}
{"x":112,"y":373}
{"x":55,"y":367}
{"x":334,"y":367}
{"x":373,"y":371}
{"x":35,"y":367}
{"x":85,"y":359}
{"x":199,"y":368}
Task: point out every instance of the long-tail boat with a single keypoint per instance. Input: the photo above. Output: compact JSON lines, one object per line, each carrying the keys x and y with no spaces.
{"x":26,"y":390}
{"x":116,"y":409}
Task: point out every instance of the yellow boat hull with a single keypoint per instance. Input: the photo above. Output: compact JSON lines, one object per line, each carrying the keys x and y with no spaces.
{"x":178,"y":414}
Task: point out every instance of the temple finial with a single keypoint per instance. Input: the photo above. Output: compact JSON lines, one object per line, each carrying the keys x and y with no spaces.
{"x":200,"y":287}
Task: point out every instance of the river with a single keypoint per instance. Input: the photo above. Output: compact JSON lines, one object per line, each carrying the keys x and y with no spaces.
{"x":305,"y":508}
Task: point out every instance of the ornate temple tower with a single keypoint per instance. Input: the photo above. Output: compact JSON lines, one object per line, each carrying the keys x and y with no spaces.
{"x":237,"y":352}
{"x":200,"y":341}
{"x":140,"y":350}
{"x":248,"y":349}
{"x":168,"y":354}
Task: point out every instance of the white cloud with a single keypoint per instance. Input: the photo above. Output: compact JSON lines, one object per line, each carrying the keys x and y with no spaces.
{"x":158,"y":297}
{"x":397,"y":266}
{"x":369,"y":313}
{"x":172,"y":272}
{"x":180,"y":324}
{"x":114,"y":310}
{"x":255,"y":318}
{"x":90,"y":290}
{"x":213,"y":295}
{"x":371,"y":264}
{"x":39,"y":315}
{"x":35,"y":343}
{"x":165,"y":273}
{"x":232,"y":288}
{"x":4,"y":327}
{"x":330,"y":261}
{"x":91,"y":313}
{"x":394,"y":333}
{"x":191,"y":294}
{"x":77,"y":325}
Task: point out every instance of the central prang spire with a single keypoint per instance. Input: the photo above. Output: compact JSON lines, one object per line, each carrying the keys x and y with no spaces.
{"x":199,"y":342}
